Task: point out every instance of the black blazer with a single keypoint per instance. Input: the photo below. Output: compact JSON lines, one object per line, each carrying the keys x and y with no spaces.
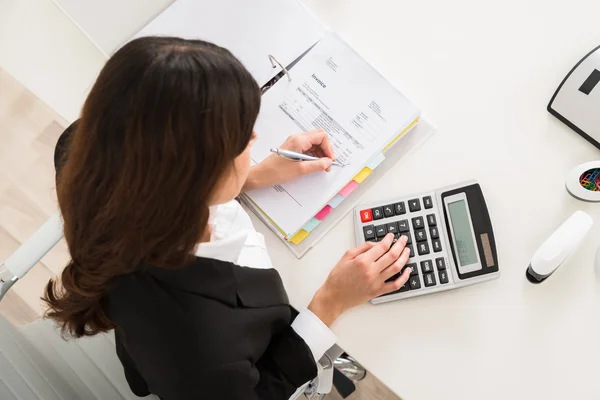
{"x":209,"y":330}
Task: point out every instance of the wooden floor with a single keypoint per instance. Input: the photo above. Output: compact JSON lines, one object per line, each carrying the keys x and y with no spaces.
{"x":28,"y":132}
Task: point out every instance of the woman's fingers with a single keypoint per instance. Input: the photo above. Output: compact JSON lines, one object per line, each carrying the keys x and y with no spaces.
{"x":392,"y":254}
{"x":318,"y":138}
{"x":394,"y":285}
{"x":396,"y":266}
{"x":355,"y":252}
{"x":379,"y":249}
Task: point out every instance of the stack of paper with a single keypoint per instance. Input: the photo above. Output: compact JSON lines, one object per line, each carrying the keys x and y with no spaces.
{"x":332,"y":88}
{"x":250,"y":30}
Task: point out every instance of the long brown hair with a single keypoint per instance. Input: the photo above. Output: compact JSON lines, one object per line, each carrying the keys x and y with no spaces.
{"x":165,"y":118}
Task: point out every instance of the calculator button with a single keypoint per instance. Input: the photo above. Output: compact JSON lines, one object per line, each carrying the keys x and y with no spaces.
{"x":434,"y":233}
{"x":420,"y":235}
{"x":413,"y":269}
{"x":369,"y":231}
{"x":380,"y":231}
{"x":403,"y":226}
{"x":427,"y":202}
{"x":440,"y":263}
{"x":414,"y":282}
{"x":412,"y":250}
{"x":417,"y":222}
{"x":436,"y":245}
{"x":423,"y":248}
{"x":377,"y":212}
{"x":429,"y":279}
{"x":400,"y":208}
{"x":407,"y":234}
{"x":443,"y":276}
{"x":431,"y":220}
{"x":392,"y":227}
{"x":366,"y":215}
{"x":426,"y":266}
{"x":388,"y":211}
{"x":414,"y":205}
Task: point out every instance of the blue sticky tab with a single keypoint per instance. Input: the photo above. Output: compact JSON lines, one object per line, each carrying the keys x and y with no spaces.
{"x":336,"y":201}
{"x":310,"y":225}
{"x":375,"y":161}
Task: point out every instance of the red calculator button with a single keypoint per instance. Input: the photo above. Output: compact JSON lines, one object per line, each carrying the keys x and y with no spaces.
{"x":366,"y":216}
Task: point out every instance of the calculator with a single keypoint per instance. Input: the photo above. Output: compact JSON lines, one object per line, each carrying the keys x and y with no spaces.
{"x":450,"y":237}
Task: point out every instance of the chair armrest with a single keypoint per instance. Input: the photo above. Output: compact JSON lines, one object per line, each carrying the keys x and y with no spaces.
{"x":30,"y":252}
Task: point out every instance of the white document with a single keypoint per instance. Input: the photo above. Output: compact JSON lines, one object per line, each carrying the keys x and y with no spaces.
{"x":332,"y":88}
{"x":251,"y":30}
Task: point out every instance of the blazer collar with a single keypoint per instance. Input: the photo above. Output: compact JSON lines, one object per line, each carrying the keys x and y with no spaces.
{"x":225,"y":282}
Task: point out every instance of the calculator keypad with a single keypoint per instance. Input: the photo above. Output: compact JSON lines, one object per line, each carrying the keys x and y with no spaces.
{"x":416,"y":218}
{"x":388,"y":211}
{"x":403,"y":226}
{"x":392,"y":227}
{"x":400,"y":208}
{"x":443,"y":276}
{"x":414,"y":205}
{"x":427,"y":202}
{"x":431,"y":220}
{"x":369,"y":232}
{"x":429,"y":279}
{"x":377,"y":212}
{"x":417,"y":222}
{"x":414,"y":283}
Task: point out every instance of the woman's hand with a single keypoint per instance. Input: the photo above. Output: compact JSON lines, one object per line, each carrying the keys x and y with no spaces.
{"x":277,"y":170}
{"x":361,"y":275}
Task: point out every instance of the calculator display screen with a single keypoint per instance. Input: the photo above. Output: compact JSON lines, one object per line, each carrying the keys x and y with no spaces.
{"x":463,"y":234}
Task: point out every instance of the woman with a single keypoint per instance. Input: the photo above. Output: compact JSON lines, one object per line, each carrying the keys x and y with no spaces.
{"x":146,"y":181}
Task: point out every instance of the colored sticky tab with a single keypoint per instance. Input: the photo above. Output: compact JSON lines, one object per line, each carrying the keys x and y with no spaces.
{"x":336,"y":201}
{"x":324,"y":212}
{"x":362,"y":175}
{"x":310,"y":225}
{"x":375,"y":161}
{"x":299,"y":237}
{"x":390,"y":144}
{"x":349,"y":188}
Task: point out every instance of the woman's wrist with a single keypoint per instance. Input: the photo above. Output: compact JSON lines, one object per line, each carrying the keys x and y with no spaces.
{"x":324,"y":306}
{"x":257,"y":178}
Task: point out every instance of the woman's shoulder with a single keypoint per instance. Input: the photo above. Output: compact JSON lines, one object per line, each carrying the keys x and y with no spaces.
{"x":151,"y":285}
{"x":203,"y":279}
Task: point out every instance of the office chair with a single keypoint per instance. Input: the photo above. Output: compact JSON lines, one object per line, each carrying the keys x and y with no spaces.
{"x":35,"y":363}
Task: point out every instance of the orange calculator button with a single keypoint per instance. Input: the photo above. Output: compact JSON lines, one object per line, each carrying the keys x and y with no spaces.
{"x":366,"y":215}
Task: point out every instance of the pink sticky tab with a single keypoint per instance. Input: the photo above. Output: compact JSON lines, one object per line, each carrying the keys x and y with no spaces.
{"x":349,"y":188}
{"x":324,"y":212}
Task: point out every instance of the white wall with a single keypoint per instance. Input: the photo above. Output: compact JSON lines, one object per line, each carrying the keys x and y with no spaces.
{"x":56,"y":48}
{"x":110,"y":23}
{"x":46,"y":52}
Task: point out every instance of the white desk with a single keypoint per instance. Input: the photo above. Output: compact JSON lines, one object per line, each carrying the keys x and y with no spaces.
{"x":483,"y":73}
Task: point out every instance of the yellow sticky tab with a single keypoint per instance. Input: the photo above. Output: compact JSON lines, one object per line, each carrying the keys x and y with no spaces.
{"x":362,"y":175}
{"x":390,"y":144}
{"x":299,"y":237}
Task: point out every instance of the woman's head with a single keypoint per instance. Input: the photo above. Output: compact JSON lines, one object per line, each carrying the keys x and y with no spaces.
{"x":164,"y":134}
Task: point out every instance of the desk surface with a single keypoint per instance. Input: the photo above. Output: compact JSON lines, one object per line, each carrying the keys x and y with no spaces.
{"x":483,"y":73}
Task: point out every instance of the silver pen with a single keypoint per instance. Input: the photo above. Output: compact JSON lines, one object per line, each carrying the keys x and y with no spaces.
{"x":292,"y":155}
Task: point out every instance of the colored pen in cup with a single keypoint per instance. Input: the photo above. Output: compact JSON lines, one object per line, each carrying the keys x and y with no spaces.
{"x":292,"y":155}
